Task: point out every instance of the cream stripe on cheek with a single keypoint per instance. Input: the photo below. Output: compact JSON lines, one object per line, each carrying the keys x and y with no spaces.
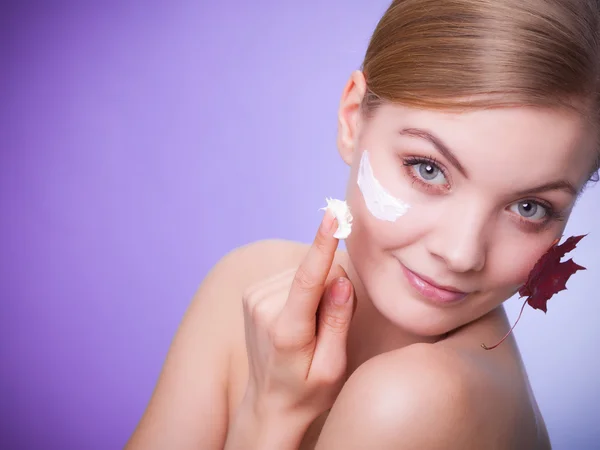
{"x":380,"y":203}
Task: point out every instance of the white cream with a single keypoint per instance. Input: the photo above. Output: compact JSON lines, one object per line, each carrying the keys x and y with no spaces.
{"x":340,"y":210}
{"x":379,"y":201}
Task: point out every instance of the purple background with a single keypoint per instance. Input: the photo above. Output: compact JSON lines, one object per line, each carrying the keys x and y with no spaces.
{"x":139,"y":143}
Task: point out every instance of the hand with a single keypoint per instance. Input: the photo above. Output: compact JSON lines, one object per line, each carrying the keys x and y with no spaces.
{"x":296,"y":330}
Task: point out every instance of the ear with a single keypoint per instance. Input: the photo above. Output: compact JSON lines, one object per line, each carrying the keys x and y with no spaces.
{"x":349,"y":115}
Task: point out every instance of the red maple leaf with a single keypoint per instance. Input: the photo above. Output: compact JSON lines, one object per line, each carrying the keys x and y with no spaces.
{"x":548,"y":276}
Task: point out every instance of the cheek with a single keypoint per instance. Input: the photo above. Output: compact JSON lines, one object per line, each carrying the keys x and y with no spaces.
{"x":380,"y":185}
{"x":368,"y":230}
{"x":512,"y":263}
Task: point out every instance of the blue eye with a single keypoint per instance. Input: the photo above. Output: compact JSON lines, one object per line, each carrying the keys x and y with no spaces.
{"x":529,"y":210}
{"x":427,"y":172}
{"x":430,"y":172}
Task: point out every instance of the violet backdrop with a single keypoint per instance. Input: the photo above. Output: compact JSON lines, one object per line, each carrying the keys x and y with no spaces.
{"x":140,"y":141}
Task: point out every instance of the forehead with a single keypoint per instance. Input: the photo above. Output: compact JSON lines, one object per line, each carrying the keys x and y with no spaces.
{"x":545,"y":142}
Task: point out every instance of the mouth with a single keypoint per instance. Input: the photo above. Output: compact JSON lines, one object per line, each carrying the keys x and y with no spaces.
{"x":429,"y":289}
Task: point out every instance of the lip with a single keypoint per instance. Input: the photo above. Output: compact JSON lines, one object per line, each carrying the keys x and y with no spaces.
{"x":432,"y":291}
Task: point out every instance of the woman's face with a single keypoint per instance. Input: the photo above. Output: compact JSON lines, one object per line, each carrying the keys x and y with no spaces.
{"x":489,"y":191}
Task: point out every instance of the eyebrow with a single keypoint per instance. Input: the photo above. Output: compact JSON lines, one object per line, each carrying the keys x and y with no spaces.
{"x":559,"y":185}
{"x":439,"y":146}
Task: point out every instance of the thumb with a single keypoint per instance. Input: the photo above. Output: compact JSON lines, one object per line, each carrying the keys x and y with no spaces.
{"x":335,"y":315}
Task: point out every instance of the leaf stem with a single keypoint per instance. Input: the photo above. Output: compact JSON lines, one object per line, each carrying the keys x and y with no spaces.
{"x":485,"y":347}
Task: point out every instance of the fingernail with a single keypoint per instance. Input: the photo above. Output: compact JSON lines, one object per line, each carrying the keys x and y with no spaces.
{"x":340,"y":291}
{"x":327,"y":223}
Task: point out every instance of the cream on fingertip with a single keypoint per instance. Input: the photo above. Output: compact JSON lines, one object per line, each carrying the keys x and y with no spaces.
{"x":341,"y":211}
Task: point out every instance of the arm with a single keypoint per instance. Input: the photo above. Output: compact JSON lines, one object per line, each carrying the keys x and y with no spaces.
{"x":419,"y":397}
{"x":247,"y":432}
{"x":188,"y":408}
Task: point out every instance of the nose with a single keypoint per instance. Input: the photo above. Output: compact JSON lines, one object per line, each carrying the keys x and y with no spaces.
{"x":459,"y":239}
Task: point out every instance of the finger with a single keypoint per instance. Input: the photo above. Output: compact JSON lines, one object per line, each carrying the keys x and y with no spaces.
{"x":337,"y":271}
{"x":298,"y":334}
{"x":305,"y":331}
{"x":309,"y":282}
{"x":298,"y":339}
{"x":335,"y":315}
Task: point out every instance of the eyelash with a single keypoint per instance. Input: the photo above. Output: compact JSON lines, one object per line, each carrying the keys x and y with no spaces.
{"x":551,"y":213}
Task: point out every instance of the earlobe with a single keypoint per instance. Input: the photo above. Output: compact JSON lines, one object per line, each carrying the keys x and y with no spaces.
{"x":349,"y":115}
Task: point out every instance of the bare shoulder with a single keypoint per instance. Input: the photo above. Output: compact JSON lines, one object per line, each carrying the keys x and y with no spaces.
{"x":190,"y":405}
{"x":258,"y":260}
{"x":421,"y":396}
{"x":426,"y":396}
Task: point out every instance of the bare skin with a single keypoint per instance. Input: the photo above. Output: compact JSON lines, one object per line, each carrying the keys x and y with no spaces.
{"x":264,"y":359}
{"x":198,"y":395}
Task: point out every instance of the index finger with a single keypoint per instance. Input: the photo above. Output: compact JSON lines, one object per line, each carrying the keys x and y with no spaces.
{"x":309,"y":282}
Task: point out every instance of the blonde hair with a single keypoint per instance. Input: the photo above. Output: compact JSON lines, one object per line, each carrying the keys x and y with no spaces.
{"x":466,"y":54}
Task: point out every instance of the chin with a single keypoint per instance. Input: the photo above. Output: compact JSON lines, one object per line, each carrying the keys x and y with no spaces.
{"x":420,"y":315}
